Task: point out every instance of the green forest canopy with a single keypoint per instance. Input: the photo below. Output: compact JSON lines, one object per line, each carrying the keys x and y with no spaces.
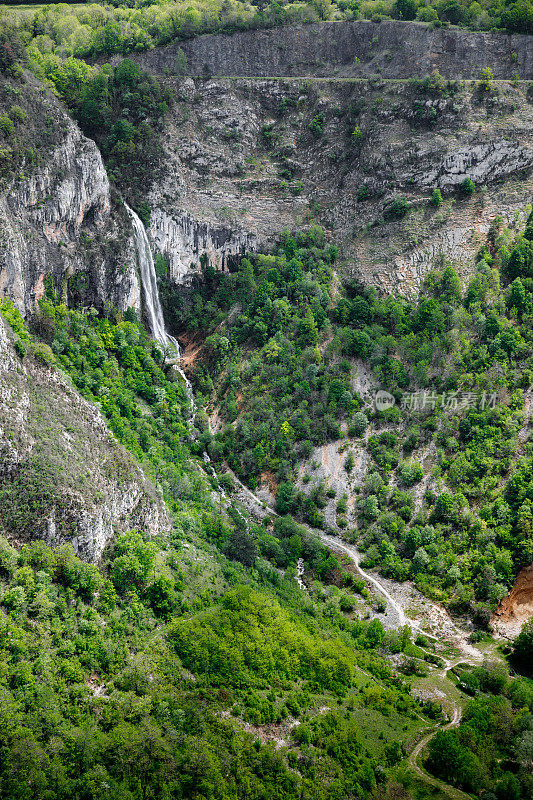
{"x":87,"y":30}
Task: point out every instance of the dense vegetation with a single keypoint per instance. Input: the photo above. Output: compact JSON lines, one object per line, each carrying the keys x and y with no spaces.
{"x":95,"y":701}
{"x":491,"y":752}
{"x":293,"y":400}
{"x":280,"y":353}
{"x":113,"y":678}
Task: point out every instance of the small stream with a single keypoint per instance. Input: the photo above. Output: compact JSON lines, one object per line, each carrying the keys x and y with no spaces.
{"x":170,"y":345}
{"x":172,"y":351}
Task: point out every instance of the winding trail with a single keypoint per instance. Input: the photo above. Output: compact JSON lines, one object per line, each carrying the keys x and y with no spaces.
{"x":473,"y":654}
{"x":412,"y":760}
{"x":469,"y":653}
{"x":414,"y":755}
{"x":337,"y":544}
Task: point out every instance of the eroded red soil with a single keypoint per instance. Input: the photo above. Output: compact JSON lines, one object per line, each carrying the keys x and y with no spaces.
{"x":517,"y":607}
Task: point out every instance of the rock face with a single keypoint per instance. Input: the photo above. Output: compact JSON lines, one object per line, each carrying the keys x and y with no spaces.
{"x":63,"y":476}
{"x":517,"y":607}
{"x":389,"y":49}
{"x":56,"y":214}
{"x":190,"y":244}
{"x":246,"y":159}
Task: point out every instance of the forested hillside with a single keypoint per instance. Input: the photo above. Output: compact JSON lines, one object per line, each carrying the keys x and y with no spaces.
{"x":278,"y":367}
{"x":261,"y":560}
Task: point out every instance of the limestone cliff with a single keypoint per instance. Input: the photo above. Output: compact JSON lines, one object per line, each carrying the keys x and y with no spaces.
{"x":63,"y":476}
{"x":344,"y":49}
{"x":56,"y":212}
{"x":247,"y":158}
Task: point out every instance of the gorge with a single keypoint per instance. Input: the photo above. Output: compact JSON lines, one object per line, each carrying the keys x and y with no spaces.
{"x":226,"y":570}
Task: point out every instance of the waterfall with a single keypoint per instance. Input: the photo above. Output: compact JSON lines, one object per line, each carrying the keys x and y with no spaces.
{"x":152,"y":304}
{"x":156,"y":321}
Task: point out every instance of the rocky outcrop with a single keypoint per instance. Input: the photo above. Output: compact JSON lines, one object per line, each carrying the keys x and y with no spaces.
{"x":517,"y":607}
{"x":246,"y":159}
{"x":360,"y":49}
{"x":190,"y":244}
{"x":63,"y":476}
{"x":56,"y":214}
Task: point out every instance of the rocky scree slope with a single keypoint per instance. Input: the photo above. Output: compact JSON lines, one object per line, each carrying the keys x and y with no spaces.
{"x":247,"y":158}
{"x":63,"y":476}
{"x":57,"y":214}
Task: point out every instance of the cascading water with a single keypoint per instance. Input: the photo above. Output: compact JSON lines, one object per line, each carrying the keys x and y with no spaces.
{"x":152,"y":304}
{"x":156,"y":321}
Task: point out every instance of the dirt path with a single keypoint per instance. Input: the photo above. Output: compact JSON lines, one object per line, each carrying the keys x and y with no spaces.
{"x":413,"y":758}
{"x":468,"y":653}
{"x":337,"y":544}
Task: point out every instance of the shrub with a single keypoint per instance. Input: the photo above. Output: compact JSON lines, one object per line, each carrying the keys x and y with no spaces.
{"x":436,"y":198}
{"x":397,"y":209}
{"x":359,"y":424}
{"x":7,"y":126}
{"x":180,"y":63}
{"x":411,"y":472}
{"x":43,"y":353}
{"x":18,"y":114}
{"x":434,"y":84}
{"x":427,"y":14}
{"x":363,"y":194}
{"x":405,"y":9}
{"x":20,"y":348}
{"x":523,"y":648}
{"x":349,"y":463}
{"x":15,"y":598}
{"x":241,"y":547}
{"x":316,"y":126}
{"x":8,"y":557}
{"x":467,"y":187}
{"x":357,"y":136}
{"x":486,"y":83}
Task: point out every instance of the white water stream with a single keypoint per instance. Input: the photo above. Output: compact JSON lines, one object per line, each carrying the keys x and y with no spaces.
{"x":152,"y":305}
{"x":156,"y":321}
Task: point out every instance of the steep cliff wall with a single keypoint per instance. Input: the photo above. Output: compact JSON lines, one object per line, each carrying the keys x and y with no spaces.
{"x":63,"y":476}
{"x":56,"y":213}
{"x":247,"y":158}
{"x":391,"y":49}
{"x":190,"y":243}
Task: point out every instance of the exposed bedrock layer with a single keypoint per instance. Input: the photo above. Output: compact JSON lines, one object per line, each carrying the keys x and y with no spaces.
{"x":57,"y":216}
{"x":390,"y":49}
{"x":247,"y":158}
